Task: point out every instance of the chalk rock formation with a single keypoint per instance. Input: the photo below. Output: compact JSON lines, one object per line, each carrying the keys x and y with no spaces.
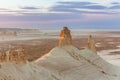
{"x":70,"y":63}
{"x":65,"y":37}
{"x":21,"y":55}
{"x":91,"y":44}
{"x":61,"y":63}
{"x":2,"y":56}
{"x":13,"y":55}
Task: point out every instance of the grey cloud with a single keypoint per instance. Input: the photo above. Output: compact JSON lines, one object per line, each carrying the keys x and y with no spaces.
{"x":94,"y":7}
{"x":3,"y":9}
{"x":72,"y":6}
{"x":115,"y":7}
{"x":80,"y":5}
{"x":73,"y":9}
{"x":76,"y":7}
{"x":79,"y":11}
{"x":115,"y":3}
{"x":29,"y":7}
{"x":76,"y":3}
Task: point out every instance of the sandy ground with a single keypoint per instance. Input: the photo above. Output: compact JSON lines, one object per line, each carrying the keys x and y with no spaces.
{"x":38,"y":44}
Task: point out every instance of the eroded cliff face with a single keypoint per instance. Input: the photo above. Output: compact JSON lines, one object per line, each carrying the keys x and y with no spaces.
{"x":65,"y":37}
{"x":13,"y":55}
{"x":91,"y":44}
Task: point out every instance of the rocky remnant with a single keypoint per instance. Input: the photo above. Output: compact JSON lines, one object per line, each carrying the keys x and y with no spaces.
{"x":65,"y":37}
{"x":13,"y":55}
{"x":8,"y":33}
{"x":91,"y":44}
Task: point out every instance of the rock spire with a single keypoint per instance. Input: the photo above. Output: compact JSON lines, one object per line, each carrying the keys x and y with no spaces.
{"x":65,"y":37}
{"x":91,"y":44}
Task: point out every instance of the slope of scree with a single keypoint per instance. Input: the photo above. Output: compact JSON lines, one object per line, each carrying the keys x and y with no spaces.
{"x":69,"y":63}
{"x":28,"y":71}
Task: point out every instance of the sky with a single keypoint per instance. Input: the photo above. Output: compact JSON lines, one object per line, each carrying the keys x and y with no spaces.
{"x":82,"y":14}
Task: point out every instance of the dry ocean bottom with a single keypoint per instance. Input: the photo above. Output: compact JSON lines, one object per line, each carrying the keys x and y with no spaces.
{"x":33,"y":54}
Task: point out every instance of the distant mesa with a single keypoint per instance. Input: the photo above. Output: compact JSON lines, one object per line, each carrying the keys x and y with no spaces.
{"x":8,"y":33}
{"x":91,"y":44}
{"x":65,"y":37}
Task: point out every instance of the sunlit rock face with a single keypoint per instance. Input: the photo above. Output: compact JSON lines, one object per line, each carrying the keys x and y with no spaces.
{"x":91,"y":44}
{"x":65,"y":37}
{"x":13,"y":55}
